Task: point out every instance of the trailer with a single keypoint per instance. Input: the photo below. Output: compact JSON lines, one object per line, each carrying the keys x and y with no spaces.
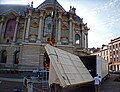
{"x":96,"y":65}
{"x":66,"y":69}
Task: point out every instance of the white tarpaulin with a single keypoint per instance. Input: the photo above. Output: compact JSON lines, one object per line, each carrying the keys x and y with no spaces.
{"x":66,"y":69}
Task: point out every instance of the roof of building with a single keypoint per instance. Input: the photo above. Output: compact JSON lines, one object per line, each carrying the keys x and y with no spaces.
{"x":50,"y":2}
{"x":115,"y":39}
{"x":22,"y":8}
{"x":94,"y":50}
{"x":18,"y":8}
{"x":78,"y":19}
{"x":57,"y":4}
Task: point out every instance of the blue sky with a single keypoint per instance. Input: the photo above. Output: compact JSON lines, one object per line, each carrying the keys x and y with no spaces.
{"x":102,"y":17}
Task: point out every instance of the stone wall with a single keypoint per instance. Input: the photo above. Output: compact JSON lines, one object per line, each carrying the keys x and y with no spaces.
{"x":31,"y":54}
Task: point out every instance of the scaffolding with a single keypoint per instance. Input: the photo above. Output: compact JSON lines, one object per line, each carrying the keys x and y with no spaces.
{"x":39,"y":82}
{"x":43,"y":79}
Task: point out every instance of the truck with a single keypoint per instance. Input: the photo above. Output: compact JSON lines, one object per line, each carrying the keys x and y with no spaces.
{"x":96,"y":65}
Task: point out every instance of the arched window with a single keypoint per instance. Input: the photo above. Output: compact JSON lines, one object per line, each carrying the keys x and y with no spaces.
{"x":10,"y":28}
{"x":3,"y":55}
{"x":77,"y":39}
{"x":16,"y":57}
{"x":47,"y":26}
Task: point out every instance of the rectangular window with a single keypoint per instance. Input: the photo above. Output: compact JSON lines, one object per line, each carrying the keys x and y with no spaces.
{"x":116,"y":45}
{"x":113,"y":46}
{"x":104,"y":53}
{"x":114,"y":67}
{"x":110,"y":52}
{"x":110,"y":48}
{"x":114,"y":52}
{"x":117,"y":58}
{"x":114,"y":59}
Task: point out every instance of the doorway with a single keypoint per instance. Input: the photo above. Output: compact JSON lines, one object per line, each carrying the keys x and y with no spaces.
{"x":3,"y":54}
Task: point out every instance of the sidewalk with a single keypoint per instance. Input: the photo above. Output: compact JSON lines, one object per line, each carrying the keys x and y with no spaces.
{"x":110,"y":85}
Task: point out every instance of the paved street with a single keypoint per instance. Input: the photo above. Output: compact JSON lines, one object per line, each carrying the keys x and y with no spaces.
{"x":110,"y":85}
{"x":107,"y":86}
{"x":6,"y":86}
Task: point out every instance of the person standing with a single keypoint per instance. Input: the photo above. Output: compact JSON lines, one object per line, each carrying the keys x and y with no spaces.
{"x":97,"y":81}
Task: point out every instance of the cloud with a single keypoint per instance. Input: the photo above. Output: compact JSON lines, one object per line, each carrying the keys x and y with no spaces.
{"x":108,"y":27}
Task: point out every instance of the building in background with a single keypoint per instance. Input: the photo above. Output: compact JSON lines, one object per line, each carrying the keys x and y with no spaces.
{"x":105,"y":52}
{"x":111,"y":53}
{"x":114,"y":48}
{"x":95,"y":51}
{"x":24,"y":31}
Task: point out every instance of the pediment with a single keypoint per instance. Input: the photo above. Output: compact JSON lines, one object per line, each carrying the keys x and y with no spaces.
{"x":49,"y":4}
{"x":10,"y":12}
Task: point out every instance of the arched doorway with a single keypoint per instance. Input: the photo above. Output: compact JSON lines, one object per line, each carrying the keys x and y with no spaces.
{"x":46,"y":62}
{"x":3,"y":54}
{"x":16,"y":57}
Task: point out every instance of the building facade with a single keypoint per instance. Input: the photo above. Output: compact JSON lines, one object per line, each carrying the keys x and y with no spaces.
{"x":114,"y":48}
{"x":94,"y":51}
{"x":111,"y":53}
{"x":24,"y":31}
{"x":105,"y":52}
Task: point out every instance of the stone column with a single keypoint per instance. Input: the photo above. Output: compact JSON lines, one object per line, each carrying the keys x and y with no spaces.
{"x":70,"y":30}
{"x":1,"y":25}
{"x":28,"y":26}
{"x":73,"y":33}
{"x":42,"y":29}
{"x":16,"y":29}
{"x":83,"y":39}
{"x":83,"y":36}
{"x":3,"y":30}
{"x":40,"y":26}
{"x":59,"y":28}
{"x":23,"y":37}
{"x":85,"y":43}
{"x":86,"y":40}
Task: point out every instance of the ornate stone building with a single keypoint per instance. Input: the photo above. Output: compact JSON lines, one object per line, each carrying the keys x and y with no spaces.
{"x":24,"y":31}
